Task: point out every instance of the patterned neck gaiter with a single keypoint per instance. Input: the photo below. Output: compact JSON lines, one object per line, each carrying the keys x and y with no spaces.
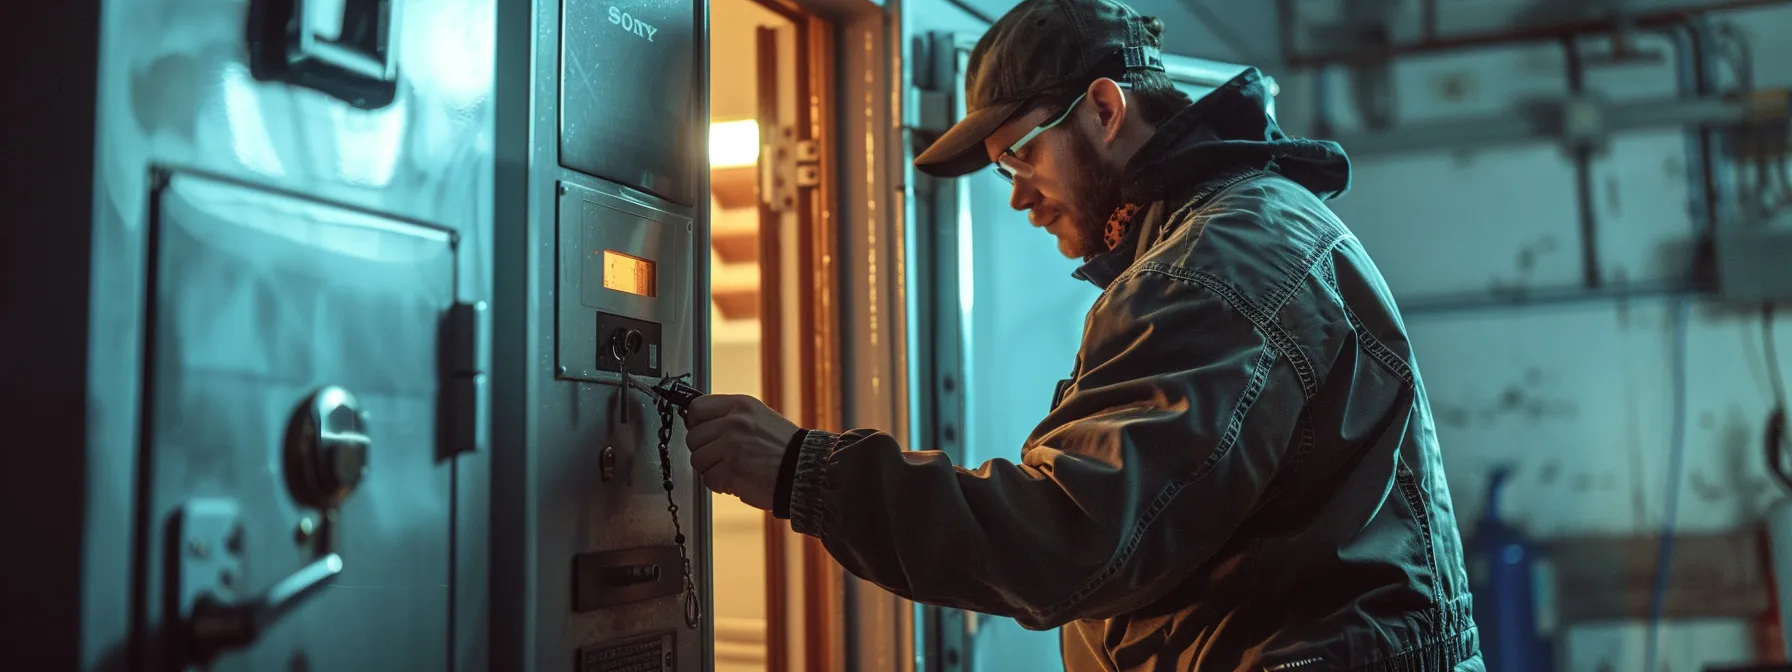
{"x":1119,"y":224}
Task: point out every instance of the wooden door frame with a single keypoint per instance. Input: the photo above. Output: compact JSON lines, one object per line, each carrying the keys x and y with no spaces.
{"x":848,"y":74}
{"x":817,"y":383}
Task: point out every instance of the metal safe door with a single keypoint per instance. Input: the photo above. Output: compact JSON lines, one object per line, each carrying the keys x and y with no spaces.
{"x":300,"y":494}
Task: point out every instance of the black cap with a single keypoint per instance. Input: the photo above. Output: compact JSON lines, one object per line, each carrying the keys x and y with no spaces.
{"x":1039,"y":47}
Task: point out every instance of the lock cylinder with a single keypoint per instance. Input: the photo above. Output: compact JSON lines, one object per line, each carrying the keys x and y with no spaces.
{"x":626,"y":343}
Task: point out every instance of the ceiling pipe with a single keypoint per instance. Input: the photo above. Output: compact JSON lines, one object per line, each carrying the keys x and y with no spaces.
{"x":1647,"y":20}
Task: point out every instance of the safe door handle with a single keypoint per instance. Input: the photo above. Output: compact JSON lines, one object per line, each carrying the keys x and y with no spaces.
{"x":217,"y":626}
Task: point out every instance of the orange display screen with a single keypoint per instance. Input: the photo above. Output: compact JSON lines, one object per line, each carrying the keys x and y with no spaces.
{"x":624,"y":273}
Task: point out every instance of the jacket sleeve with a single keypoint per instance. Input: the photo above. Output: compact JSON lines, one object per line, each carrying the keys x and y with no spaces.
{"x":1160,"y":448}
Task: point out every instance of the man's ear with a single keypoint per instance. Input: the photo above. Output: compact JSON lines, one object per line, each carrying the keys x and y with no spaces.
{"x":1110,"y":107}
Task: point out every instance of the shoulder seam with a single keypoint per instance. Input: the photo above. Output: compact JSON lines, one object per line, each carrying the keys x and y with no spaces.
{"x":1279,"y":338}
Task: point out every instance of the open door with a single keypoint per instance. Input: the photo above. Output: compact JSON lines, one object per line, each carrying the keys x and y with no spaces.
{"x":970,"y":397}
{"x":804,"y":613}
{"x":767,"y":187}
{"x":775,"y":62}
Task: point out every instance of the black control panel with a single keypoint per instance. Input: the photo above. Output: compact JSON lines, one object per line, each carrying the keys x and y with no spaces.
{"x":625,"y":340}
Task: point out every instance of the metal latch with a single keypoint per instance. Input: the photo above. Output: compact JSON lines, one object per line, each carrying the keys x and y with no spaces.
{"x":345,"y":49}
{"x":466,"y":338}
{"x":775,"y":184}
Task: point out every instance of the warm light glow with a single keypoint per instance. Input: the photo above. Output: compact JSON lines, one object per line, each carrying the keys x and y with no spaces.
{"x":733,"y":143}
{"x":629,"y":274}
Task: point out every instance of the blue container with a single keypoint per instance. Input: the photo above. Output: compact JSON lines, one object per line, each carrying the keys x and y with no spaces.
{"x":1502,"y":564}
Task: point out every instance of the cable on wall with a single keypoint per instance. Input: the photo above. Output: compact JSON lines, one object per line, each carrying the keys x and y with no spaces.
{"x":1676,"y":460}
{"x":1774,"y":438}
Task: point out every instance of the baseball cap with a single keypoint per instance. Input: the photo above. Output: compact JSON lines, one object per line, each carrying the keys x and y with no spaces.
{"x":1038,"y":48}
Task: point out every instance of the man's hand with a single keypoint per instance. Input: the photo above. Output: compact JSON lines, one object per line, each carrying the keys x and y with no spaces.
{"x":737,"y":444}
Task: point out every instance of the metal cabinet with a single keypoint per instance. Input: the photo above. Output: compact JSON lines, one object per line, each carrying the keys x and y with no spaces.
{"x":602,"y":252}
{"x":282,"y":458}
{"x":336,"y":403}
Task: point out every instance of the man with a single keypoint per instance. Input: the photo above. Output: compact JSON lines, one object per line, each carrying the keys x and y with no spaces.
{"x":1242,"y":473}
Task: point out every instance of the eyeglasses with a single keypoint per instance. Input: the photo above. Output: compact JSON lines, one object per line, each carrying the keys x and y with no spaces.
{"x":1009,"y":164}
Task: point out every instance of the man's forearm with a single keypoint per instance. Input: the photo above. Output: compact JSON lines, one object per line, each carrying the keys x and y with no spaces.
{"x":1042,"y":544}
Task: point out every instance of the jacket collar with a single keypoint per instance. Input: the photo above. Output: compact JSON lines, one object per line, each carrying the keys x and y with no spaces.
{"x":1225,"y":135}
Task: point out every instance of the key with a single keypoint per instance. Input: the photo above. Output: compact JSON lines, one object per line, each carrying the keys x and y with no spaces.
{"x":679,"y":393}
{"x":671,"y":390}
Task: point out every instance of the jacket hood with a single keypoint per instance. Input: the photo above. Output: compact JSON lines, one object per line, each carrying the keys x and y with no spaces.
{"x":1229,"y":131}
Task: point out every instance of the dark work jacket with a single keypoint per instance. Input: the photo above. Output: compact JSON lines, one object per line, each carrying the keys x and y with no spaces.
{"x":1241,"y":474}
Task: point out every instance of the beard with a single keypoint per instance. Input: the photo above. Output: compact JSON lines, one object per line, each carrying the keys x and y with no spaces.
{"x":1093,"y":199}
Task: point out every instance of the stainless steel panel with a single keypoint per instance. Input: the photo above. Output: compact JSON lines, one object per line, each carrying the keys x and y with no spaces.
{"x":258,"y":299}
{"x":550,"y":500}
{"x":578,"y":512}
{"x":591,"y":222}
{"x":626,"y":110}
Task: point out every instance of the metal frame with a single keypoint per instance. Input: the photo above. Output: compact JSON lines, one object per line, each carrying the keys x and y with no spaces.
{"x":938,"y":394}
{"x":864,"y":264}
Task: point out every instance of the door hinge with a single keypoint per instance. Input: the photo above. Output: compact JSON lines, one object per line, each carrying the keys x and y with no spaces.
{"x":466,"y":351}
{"x":808,"y":164}
{"x":792,"y":164}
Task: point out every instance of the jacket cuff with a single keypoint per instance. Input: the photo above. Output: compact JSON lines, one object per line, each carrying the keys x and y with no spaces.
{"x":809,"y":510}
{"x":786,"y":475}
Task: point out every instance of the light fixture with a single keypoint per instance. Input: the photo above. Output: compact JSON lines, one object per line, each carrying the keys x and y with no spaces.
{"x":733,"y":144}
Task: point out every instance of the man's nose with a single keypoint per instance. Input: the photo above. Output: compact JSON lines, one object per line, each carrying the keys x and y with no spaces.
{"x":1023,"y":197}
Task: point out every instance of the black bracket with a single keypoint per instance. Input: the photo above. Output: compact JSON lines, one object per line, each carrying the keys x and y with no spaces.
{"x":345,"y":50}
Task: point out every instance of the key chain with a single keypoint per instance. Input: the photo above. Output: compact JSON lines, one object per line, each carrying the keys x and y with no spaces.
{"x":671,"y":395}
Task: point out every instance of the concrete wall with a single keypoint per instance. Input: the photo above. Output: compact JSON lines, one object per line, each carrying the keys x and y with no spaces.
{"x":1232,"y":31}
{"x":1578,"y":398}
